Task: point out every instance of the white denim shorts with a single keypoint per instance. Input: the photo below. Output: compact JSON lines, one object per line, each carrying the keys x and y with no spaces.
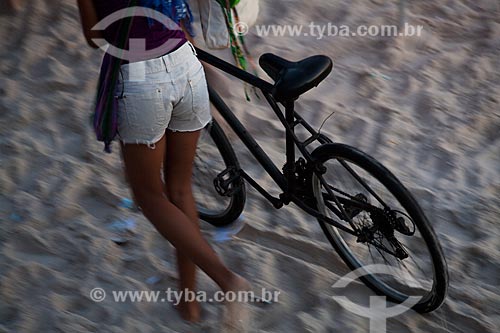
{"x":169,"y":92}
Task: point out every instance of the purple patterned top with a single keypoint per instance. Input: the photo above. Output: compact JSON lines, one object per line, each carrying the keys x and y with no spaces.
{"x":155,"y":35}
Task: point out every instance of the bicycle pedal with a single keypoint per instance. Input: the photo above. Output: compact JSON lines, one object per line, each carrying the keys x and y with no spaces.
{"x":227,"y":182}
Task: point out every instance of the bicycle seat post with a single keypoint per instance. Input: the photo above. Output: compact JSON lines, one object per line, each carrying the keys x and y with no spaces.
{"x":289,"y":168}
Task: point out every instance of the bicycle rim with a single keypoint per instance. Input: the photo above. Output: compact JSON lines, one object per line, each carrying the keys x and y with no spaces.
{"x":413,"y":276}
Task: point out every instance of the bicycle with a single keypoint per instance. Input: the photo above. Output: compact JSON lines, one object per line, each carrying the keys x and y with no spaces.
{"x":359,"y":217}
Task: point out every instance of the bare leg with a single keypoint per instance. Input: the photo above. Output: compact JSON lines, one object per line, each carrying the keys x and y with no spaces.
{"x":143,"y":170}
{"x":142,"y":166}
{"x":177,"y":168}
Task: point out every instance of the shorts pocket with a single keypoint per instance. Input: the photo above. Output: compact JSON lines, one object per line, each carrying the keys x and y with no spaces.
{"x":145,"y":109}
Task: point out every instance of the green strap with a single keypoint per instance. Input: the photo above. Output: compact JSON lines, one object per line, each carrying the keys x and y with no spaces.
{"x":241,"y":54}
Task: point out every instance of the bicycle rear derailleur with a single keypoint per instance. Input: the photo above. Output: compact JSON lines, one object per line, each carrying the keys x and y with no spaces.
{"x":385,"y":222}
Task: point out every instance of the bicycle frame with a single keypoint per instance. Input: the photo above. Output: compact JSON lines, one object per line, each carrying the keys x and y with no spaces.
{"x":290,"y":119}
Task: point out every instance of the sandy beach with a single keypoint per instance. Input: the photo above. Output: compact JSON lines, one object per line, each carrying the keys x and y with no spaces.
{"x":427,"y":107}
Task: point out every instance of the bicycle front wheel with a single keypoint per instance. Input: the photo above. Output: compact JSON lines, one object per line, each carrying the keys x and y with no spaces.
{"x":215,"y":156}
{"x":391,"y":230}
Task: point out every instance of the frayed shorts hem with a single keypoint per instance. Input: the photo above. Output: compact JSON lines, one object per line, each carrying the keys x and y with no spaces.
{"x":191,"y":129}
{"x":150,"y":143}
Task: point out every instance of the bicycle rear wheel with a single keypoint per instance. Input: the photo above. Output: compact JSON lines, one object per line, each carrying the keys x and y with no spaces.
{"x":393,"y":231}
{"x":215,"y":155}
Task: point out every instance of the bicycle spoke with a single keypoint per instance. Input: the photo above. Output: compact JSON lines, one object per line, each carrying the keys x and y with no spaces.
{"x":418,"y":266}
{"x":341,"y":208}
{"x":355,"y":175}
{"x":374,"y":211}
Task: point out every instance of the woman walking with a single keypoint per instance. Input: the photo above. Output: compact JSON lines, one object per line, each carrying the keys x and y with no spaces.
{"x":163,"y":105}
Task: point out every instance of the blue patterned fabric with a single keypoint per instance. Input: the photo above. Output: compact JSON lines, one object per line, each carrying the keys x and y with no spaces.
{"x":176,"y":10}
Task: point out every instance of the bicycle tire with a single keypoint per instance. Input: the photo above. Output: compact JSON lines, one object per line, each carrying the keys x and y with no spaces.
{"x":224,"y":151}
{"x":435,"y":297}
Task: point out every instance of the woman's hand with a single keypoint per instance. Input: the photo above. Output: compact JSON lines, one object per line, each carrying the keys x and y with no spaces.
{"x":89,"y":19}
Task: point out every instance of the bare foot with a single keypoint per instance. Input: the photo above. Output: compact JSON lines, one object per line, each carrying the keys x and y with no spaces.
{"x":189,"y":311}
{"x":236,"y":315}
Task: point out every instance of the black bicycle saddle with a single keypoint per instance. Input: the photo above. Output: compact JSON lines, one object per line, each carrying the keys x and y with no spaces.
{"x":295,"y":78}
